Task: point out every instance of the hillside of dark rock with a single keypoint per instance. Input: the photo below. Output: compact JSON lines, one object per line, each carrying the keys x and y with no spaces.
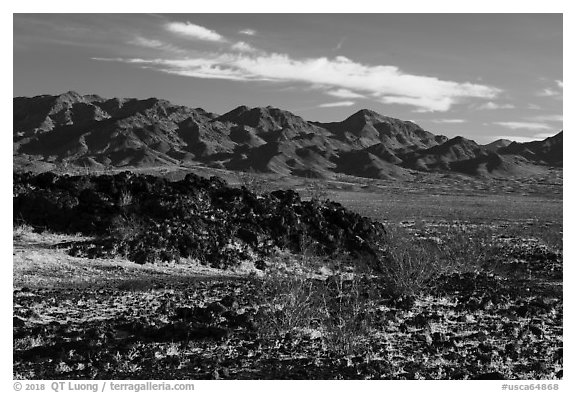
{"x":147,"y":219}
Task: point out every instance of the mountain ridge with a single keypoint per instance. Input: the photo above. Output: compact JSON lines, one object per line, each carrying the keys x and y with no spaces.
{"x":89,"y":130}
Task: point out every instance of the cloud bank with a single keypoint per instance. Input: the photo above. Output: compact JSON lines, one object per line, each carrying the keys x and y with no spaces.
{"x":387,"y":84}
{"x":338,"y":76}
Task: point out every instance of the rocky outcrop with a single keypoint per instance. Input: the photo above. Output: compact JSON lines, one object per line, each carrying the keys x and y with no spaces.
{"x":147,"y":219}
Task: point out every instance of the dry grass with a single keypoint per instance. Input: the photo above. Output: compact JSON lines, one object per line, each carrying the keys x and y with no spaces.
{"x":41,"y":260}
{"x":332,"y":305}
{"x":413,"y":259}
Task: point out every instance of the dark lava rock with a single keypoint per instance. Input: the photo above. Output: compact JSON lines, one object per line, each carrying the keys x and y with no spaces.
{"x":147,"y":219}
{"x":439,"y":337}
{"x":229,"y":301}
{"x":18,"y":322}
{"x":467,"y":283}
{"x":490,"y":376}
{"x":216,"y":307}
{"x":404,"y":302}
{"x":209,"y":332}
{"x":536,"y":331}
{"x":184,"y":313}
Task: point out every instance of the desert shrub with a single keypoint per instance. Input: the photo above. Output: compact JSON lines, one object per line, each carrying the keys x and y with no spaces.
{"x":315,"y":190}
{"x":466,"y":250}
{"x":125,"y":199}
{"x":292,"y":303}
{"x":251,"y":181}
{"x":548,"y":234}
{"x":335,"y":309}
{"x":129,"y":227}
{"x":348,"y":315}
{"x":412,"y":263}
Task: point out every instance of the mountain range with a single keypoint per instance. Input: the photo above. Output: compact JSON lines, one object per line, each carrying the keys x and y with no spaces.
{"x":88,"y":130}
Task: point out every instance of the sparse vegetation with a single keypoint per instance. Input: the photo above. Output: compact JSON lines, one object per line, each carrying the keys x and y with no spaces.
{"x":21,"y":229}
{"x":252,"y":181}
{"x":447,"y":299}
{"x":316,"y":190}
{"x":127,"y":228}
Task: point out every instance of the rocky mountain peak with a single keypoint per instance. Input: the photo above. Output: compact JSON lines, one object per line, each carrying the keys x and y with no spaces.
{"x":130,"y":132}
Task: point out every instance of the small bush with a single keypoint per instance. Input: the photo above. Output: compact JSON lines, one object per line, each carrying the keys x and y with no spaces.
{"x":252,"y":182}
{"x":125,"y":228}
{"x":315,"y":190}
{"x":466,"y":250}
{"x":126,"y":199}
{"x":349,"y":319}
{"x":335,"y":309}
{"x":412,"y":263}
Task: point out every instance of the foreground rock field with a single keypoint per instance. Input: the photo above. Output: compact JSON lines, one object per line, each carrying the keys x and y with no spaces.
{"x":134,"y":277}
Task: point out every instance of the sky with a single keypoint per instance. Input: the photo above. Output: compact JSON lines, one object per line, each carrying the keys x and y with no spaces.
{"x":481,"y":76}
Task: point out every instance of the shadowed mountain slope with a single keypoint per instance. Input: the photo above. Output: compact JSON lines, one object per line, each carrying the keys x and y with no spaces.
{"x":548,"y":151}
{"x":88,"y":130}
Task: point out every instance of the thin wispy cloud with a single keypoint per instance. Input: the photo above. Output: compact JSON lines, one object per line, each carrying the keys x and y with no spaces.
{"x":449,"y":121}
{"x":422,"y":103}
{"x":554,"y":92}
{"x":250,"y":32}
{"x":490,"y":105}
{"x":387,"y":84}
{"x":155,"y":44}
{"x":544,"y":118}
{"x":548,"y":92}
{"x":338,"y":77}
{"x":197,"y":32}
{"x":344,"y":93}
{"x":141,"y":41}
{"x":339,"y":45}
{"x":520,"y":125}
{"x":336,"y":104}
{"x":243,"y":47}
